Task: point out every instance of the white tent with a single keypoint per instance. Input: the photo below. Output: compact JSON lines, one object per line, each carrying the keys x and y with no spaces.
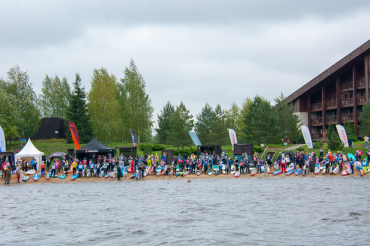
{"x":29,"y":150}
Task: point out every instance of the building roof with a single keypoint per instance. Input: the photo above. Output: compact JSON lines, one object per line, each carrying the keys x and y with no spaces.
{"x":331,"y":71}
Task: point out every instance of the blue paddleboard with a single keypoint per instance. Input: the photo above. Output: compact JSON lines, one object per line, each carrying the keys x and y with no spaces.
{"x":289,"y":172}
{"x":62,"y":176}
{"x":351,"y":156}
{"x":298,"y":171}
{"x":36,"y":177}
{"x":74,"y":176}
{"x":25,"y":178}
{"x":277,"y":172}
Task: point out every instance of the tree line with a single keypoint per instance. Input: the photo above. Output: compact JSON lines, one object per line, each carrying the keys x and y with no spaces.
{"x":256,"y":121}
{"x":107,"y":111}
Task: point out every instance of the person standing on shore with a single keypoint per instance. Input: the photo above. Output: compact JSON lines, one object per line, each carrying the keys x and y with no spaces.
{"x":266,"y":171}
{"x":80,"y":168}
{"x":366,"y":138}
{"x":7,"y":175}
{"x":53,"y":168}
{"x":91,"y":167}
{"x":283,"y":165}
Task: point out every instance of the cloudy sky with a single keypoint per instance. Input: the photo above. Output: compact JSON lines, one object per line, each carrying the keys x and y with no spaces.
{"x":194,"y":51}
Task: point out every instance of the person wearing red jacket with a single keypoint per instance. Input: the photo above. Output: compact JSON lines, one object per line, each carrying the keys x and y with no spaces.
{"x":283,"y":165}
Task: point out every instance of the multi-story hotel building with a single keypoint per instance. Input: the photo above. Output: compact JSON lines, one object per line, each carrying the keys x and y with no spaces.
{"x":337,"y":95}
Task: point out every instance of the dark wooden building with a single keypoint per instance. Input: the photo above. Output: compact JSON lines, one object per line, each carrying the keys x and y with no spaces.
{"x":337,"y":95}
{"x":51,"y":127}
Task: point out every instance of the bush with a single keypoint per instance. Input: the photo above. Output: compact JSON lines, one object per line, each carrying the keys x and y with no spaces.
{"x":300,"y":149}
{"x":153,"y":147}
{"x":334,"y":142}
{"x":318,"y":144}
{"x":185,"y":151}
{"x":257,"y":149}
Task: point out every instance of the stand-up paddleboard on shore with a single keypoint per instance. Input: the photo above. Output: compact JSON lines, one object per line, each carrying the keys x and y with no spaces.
{"x":133,"y":176}
{"x":185,"y":173}
{"x":336,"y":170}
{"x":30,"y":172}
{"x":317,"y":170}
{"x":359,"y":167}
{"x":74,"y":176}
{"x":217,"y":172}
{"x":25,"y":178}
{"x":298,"y":171}
{"x":177,"y":174}
{"x":215,"y":168}
{"x":36,"y":177}
{"x":197,"y":172}
{"x":344,"y":172}
{"x":289,"y":172}
{"x":276,"y":166}
{"x":62,"y":176}
{"x":351,"y":156}
{"x":262,"y":169}
{"x":277,"y":172}
{"x":209,"y":172}
{"x":138,"y":175}
{"x":170,"y":173}
{"x":253,"y":172}
{"x":237,"y":174}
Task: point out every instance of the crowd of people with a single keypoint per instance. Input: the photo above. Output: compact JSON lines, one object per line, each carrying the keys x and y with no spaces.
{"x":102,"y":165}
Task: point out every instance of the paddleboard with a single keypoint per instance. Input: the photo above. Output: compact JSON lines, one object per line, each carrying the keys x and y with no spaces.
{"x":177,"y":174}
{"x":344,"y":173}
{"x":25,"y":178}
{"x":217,"y":172}
{"x":111,"y":174}
{"x":262,"y":169}
{"x":197,"y":172}
{"x":48,"y":176}
{"x":276,"y":166}
{"x":215,"y":168}
{"x":298,"y":171}
{"x":138,"y":175}
{"x":62,"y":176}
{"x":74,"y":176}
{"x":336,"y":170}
{"x":151,"y":169}
{"x":289,"y":172}
{"x":277,"y":172}
{"x":30,"y":172}
{"x":170,"y":173}
{"x":253,"y":172}
{"x":232,"y":169}
{"x":182,"y":173}
{"x":209,"y":172}
{"x":185,"y":174}
{"x":36,"y":177}
{"x":232,"y":172}
{"x":351,"y":156}
{"x":317,"y":170}
{"x":237,"y":174}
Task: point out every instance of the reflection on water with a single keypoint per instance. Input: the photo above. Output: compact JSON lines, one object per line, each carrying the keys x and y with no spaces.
{"x":211,"y":211}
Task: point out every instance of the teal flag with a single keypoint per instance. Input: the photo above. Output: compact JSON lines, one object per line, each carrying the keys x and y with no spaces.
{"x":195,"y":138}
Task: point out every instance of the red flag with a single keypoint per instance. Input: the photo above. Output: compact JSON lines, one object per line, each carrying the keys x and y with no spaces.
{"x":74,"y":134}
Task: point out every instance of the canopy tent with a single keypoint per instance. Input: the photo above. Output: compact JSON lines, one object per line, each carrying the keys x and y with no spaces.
{"x":94,"y":147}
{"x":56,"y":154}
{"x":29,"y":150}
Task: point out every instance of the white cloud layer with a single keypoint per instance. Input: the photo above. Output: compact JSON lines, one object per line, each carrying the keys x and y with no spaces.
{"x":194,"y":51}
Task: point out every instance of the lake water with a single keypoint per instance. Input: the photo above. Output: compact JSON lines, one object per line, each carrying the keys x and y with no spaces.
{"x":257,"y":211}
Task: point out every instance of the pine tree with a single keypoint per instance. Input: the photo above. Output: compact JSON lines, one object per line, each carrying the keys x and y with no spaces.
{"x":365,"y":120}
{"x":77,"y":113}
{"x":334,"y":142}
{"x":203,"y":125}
{"x":164,"y":122}
{"x":219,"y":133}
{"x":103,"y":105}
{"x":181,"y":124}
{"x":288,"y":122}
{"x":137,"y":113}
{"x":331,"y":129}
{"x":261,"y":122}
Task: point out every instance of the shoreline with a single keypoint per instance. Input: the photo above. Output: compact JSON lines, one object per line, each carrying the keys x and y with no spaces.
{"x":44,"y":180}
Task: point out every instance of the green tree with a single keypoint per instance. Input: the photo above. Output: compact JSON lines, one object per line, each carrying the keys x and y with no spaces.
{"x":103,"y":105}
{"x":261,"y":122}
{"x":350,"y":131}
{"x":289,"y":123}
{"x":219,"y":134}
{"x":55,"y":97}
{"x":137,"y":113}
{"x":181,"y":124}
{"x":334,"y":142}
{"x":331,"y":129}
{"x":203,"y":125}
{"x":8,"y":115}
{"x":164,"y":122}
{"x":77,"y":113}
{"x":19,"y":86}
{"x":365,"y":120}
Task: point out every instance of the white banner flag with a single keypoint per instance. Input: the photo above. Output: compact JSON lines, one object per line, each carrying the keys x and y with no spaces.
{"x":307,"y":136}
{"x":343,"y":135}
{"x":232,"y":137}
{"x":2,"y":141}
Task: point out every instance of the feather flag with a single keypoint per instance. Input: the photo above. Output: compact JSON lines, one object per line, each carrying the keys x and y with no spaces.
{"x":74,"y":133}
{"x":133,"y":137}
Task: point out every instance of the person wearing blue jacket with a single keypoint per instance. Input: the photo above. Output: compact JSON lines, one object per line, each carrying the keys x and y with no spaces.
{"x":91,"y":167}
{"x":205,"y":164}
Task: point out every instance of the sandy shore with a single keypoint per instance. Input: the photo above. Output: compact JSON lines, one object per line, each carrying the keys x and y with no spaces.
{"x":43,"y":180}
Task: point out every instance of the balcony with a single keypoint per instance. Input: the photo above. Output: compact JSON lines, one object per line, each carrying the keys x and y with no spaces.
{"x":331,"y":119}
{"x":361,"y":100}
{"x":316,"y":106}
{"x":347,"y":102}
{"x":346,"y":86}
{"x":347,"y":117}
{"x":316,"y":135}
{"x":316,"y":121}
{"x":331,"y":104}
{"x":361,"y":83}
